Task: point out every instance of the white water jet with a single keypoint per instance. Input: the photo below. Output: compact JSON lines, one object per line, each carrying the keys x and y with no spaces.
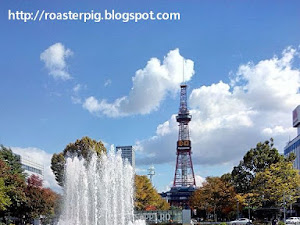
{"x":98,"y":192}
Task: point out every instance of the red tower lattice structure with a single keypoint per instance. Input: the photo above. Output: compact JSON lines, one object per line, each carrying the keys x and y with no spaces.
{"x":184,"y":172}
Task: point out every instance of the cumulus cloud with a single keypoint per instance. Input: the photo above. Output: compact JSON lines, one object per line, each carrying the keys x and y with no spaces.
{"x":41,"y":157}
{"x":199,"y":180}
{"x":166,"y":188}
{"x":199,"y":183}
{"x":54,"y":58}
{"x":230,"y":118}
{"x":150,"y":86}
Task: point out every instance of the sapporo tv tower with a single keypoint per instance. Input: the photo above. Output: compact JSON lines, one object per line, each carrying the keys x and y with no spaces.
{"x":184,"y":179}
{"x":184,"y":172}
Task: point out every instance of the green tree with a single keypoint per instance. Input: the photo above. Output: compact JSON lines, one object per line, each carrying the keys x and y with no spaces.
{"x":18,"y":199}
{"x":227,"y":178}
{"x":4,"y":198}
{"x":216,"y":196}
{"x":255,"y":160}
{"x":57,"y":166}
{"x":14,"y":184}
{"x":277,"y":184}
{"x":12,"y":160}
{"x":83,"y":147}
{"x":146,"y":197}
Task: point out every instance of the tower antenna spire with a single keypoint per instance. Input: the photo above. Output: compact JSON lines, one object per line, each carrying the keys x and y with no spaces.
{"x":183,"y":70}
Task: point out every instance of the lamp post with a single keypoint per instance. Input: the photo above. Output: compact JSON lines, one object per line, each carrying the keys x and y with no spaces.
{"x":248,"y":201}
{"x":284,"y":203}
{"x":237,"y":209}
{"x":290,"y":201}
{"x":262,"y":202}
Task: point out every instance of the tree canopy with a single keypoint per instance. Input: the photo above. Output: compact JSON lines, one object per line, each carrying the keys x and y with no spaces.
{"x":14,"y":182}
{"x":277,"y":185}
{"x":146,"y":197}
{"x":255,"y":160}
{"x":216,"y":196}
{"x":21,"y":199}
{"x":265,"y":179}
{"x":4,"y":197}
{"x":12,"y":160}
{"x":83,"y":147}
{"x":57,"y":167}
{"x":39,"y":200}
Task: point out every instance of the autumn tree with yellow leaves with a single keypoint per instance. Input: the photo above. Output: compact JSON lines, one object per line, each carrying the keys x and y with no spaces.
{"x":216,"y":196}
{"x":263,"y":179}
{"x":277,"y":185}
{"x":146,"y":196}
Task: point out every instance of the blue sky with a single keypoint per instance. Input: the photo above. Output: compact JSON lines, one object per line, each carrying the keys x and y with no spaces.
{"x":251,"y":46}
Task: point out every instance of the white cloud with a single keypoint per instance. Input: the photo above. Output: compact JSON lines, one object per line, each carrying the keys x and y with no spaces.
{"x":166,"y":188}
{"x":150,"y":86}
{"x":199,"y":183}
{"x":77,"y":88}
{"x":230,"y":118}
{"x":76,"y":100}
{"x":107,"y":83}
{"x":277,"y":130}
{"x":75,"y":97}
{"x":199,"y":180}
{"x":41,"y":157}
{"x":140,"y":171}
{"x":54,"y":58}
{"x":271,"y":84}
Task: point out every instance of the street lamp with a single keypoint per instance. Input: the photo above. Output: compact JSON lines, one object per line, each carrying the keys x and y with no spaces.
{"x":237,"y":209}
{"x":284,"y":203}
{"x":290,"y":201}
{"x":248,"y":201}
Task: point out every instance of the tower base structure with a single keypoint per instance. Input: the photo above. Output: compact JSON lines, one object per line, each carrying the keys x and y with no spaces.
{"x":178,"y":196}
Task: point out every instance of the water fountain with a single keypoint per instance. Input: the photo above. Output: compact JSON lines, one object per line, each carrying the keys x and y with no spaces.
{"x":98,"y":192}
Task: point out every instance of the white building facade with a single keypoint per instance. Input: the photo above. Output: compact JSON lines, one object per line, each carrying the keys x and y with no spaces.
{"x":293,"y":146}
{"x":31,"y":167}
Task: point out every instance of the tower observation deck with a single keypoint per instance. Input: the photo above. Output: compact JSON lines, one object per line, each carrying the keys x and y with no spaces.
{"x":184,"y":172}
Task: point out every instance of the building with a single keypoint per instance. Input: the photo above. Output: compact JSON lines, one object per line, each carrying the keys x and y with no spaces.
{"x":293,"y":146}
{"x":127,"y":152}
{"x":31,"y":167}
